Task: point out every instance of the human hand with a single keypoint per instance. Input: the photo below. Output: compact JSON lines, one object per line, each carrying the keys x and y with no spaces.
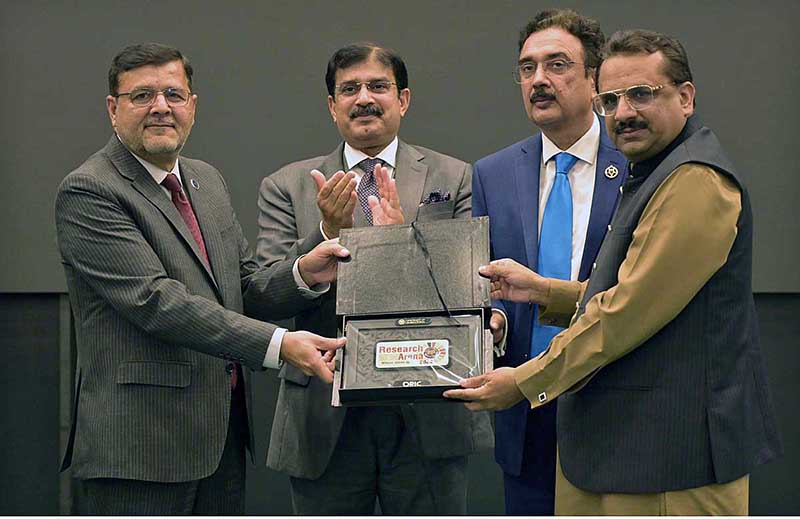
{"x":336,"y":199}
{"x":493,"y":391}
{"x":387,"y":210}
{"x":497,"y":324}
{"x":310,"y":353}
{"x":319,"y":265}
{"x":514,"y":282}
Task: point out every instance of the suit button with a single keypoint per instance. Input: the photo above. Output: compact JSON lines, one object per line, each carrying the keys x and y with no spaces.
{"x":229,"y":367}
{"x":594,"y":266}
{"x":609,"y":227}
{"x":620,"y":189}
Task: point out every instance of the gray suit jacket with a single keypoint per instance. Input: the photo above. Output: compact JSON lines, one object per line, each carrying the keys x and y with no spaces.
{"x":306,"y":427}
{"x":156,"y":328}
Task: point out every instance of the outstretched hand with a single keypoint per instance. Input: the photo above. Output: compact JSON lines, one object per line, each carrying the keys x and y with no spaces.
{"x":514,"y":282}
{"x":493,"y":391}
{"x":320,"y":264}
{"x":311,"y":353}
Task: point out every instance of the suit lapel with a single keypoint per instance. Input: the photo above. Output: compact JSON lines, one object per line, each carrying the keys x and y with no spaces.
{"x":410,"y":175}
{"x":604,"y":198}
{"x":526,"y":178}
{"x":202,"y":204}
{"x":142,"y":182}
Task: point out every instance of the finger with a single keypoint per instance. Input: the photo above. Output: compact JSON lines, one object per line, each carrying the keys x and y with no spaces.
{"x":474,"y":382}
{"x":342,"y":183}
{"x":343,"y":197}
{"x":324,"y":343}
{"x":322,"y":371}
{"x":373,"y":202}
{"x":497,"y":321}
{"x":350,"y":205}
{"x":326,"y":189}
{"x":466,"y":395}
{"x":328,"y":356}
{"x":319,"y":179}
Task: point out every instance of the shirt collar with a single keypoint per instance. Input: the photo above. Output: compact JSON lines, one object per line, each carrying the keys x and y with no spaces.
{"x":157,"y":173}
{"x":584,"y":148}
{"x":353,"y":156}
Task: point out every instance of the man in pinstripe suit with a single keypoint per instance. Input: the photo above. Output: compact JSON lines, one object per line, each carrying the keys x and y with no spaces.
{"x":158,"y":288}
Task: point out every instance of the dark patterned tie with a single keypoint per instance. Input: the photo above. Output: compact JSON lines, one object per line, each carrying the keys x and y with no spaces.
{"x":368,"y":186}
{"x":185,"y":208}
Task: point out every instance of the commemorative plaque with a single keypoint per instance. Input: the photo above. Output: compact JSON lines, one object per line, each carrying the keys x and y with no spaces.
{"x":414,"y":310}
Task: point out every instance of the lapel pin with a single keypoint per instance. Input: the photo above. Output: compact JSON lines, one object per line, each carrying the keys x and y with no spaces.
{"x":195,"y":184}
{"x":611,"y":172}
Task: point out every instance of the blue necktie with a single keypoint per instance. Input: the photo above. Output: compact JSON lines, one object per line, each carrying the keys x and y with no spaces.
{"x":555,"y":244}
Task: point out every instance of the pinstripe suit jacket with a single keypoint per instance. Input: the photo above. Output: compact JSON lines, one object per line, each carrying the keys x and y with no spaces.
{"x":155,"y":327}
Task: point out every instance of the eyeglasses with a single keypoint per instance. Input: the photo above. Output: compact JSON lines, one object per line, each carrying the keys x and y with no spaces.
{"x":553,"y":67}
{"x":147,"y":96}
{"x":638,"y":97}
{"x":352,"y":88}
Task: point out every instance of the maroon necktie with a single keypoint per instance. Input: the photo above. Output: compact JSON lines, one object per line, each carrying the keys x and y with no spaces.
{"x":185,"y":208}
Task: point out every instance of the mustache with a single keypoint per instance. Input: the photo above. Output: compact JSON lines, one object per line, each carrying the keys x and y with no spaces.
{"x":370,"y":109}
{"x":630,"y":124}
{"x":540,"y":94}
{"x":158,"y":121}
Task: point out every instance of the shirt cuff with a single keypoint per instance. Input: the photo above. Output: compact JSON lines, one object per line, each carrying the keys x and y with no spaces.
{"x":500,"y":347}
{"x":305,"y":290}
{"x":272,"y":360}
{"x":564,"y":296}
{"x":322,"y":231}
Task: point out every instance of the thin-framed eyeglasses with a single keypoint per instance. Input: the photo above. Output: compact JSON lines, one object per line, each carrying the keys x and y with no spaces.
{"x":637,"y":96}
{"x":147,"y":96}
{"x":351,"y":88}
{"x":525,"y":70}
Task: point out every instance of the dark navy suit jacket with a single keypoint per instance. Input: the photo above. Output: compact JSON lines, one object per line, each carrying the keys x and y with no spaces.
{"x":505,"y":186}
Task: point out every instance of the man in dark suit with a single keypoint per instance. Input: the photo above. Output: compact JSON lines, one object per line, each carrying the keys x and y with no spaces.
{"x":159,"y":274}
{"x":516,"y":187}
{"x":664,"y":406}
{"x":411,"y":458}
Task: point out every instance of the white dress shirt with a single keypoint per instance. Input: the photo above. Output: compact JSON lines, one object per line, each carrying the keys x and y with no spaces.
{"x":581,"y":180}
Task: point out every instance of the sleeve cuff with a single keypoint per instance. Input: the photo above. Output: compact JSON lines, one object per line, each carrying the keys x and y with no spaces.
{"x":564,"y":296}
{"x":322,"y":232}
{"x":500,"y":347}
{"x":272,"y":360}
{"x":305,"y":290}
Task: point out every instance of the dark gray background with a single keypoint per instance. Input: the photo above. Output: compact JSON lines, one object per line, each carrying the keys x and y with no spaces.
{"x":259,"y":73}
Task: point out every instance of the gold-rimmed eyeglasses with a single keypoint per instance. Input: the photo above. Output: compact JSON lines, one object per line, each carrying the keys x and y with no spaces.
{"x":637,"y":96}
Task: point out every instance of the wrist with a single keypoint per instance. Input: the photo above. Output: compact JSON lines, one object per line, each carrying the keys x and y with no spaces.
{"x":308,"y":278}
{"x":329,"y":230}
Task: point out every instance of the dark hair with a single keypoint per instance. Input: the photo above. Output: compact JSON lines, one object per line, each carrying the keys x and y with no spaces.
{"x":140,"y":55}
{"x":356,"y":53}
{"x":639,"y":41}
{"x":585,"y":29}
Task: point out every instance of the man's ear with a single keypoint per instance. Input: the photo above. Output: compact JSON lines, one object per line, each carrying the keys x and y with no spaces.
{"x":686,"y":94}
{"x":405,"y":101}
{"x":111,"y":106}
{"x":331,"y":108}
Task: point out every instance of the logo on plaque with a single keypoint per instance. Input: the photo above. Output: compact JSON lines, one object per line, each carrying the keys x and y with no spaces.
{"x":412,"y":354}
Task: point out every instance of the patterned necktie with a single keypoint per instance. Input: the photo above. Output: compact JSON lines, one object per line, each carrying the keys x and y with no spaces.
{"x":185,"y":208}
{"x":555,"y":243}
{"x":368,"y":186}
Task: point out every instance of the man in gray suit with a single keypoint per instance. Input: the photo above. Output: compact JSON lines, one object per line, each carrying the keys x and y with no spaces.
{"x":411,"y":458}
{"x":159,"y":274}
